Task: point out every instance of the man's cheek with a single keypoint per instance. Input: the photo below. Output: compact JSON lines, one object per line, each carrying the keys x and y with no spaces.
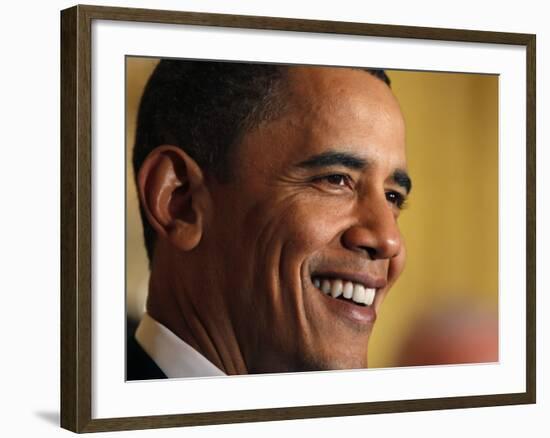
{"x":313,"y":229}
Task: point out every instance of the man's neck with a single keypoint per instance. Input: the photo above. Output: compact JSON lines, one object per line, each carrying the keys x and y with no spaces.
{"x":171,"y":304}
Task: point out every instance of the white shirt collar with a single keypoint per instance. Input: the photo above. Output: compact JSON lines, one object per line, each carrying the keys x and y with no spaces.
{"x":173,"y":356}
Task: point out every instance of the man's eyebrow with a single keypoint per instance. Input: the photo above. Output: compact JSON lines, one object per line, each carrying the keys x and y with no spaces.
{"x":332,"y":158}
{"x":352,"y":161}
{"x":402,"y":179}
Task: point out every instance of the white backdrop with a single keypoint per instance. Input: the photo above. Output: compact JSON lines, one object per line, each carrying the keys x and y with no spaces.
{"x":29,"y":182}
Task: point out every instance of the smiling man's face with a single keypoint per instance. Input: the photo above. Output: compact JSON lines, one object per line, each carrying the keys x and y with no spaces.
{"x":304,"y":242}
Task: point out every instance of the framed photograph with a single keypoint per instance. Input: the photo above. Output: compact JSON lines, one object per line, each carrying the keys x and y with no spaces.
{"x":268,"y":218}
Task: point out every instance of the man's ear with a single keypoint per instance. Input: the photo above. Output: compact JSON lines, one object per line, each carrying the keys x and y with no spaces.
{"x":173,"y":196}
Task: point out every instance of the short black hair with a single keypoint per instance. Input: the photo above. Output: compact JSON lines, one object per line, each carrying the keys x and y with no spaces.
{"x":204,"y":108}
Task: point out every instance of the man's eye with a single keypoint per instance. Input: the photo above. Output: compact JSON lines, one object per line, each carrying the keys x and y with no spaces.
{"x":336,"y":180}
{"x":396,"y":198}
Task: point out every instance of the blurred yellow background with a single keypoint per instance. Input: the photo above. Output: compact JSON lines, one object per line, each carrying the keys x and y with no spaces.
{"x":450,"y":225}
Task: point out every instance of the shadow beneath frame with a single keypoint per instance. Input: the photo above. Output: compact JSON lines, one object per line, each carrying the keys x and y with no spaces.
{"x":51,"y":417}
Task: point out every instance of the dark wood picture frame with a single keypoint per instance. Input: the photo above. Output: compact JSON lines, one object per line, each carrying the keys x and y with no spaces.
{"x":76,"y":217}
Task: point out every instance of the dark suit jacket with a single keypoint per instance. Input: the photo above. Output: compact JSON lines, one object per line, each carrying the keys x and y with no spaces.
{"x":139,"y":366}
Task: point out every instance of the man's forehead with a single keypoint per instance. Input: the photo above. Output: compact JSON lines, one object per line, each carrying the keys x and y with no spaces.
{"x":331,"y":109}
{"x":324,"y":91}
{"x":347,"y":103}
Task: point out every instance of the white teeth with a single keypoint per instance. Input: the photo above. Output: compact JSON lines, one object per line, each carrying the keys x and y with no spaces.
{"x":359,"y":294}
{"x":369,"y":296}
{"x":337,"y":287}
{"x":348,"y":290}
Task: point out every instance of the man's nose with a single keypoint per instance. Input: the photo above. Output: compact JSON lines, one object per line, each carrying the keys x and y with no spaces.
{"x":375,"y":231}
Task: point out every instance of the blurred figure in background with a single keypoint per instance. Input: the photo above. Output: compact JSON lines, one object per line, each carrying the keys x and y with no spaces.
{"x":453,"y":334}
